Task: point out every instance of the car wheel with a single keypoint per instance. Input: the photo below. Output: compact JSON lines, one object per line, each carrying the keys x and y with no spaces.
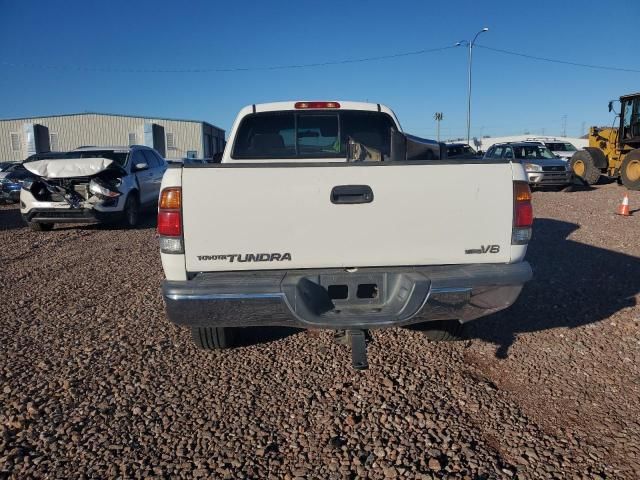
{"x":441,"y":330}
{"x":131,"y":211}
{"x":584,"y":166}
{"x":40,"y":227}
{"x":213,"y":338}
{"x":630,"y":170}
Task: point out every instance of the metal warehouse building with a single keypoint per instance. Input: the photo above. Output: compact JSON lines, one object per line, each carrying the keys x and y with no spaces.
{"x":172,"y":138}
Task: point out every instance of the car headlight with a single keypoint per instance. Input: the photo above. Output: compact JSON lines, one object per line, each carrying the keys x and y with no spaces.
{"x":532,"y":167}
{"x":97,"y":187}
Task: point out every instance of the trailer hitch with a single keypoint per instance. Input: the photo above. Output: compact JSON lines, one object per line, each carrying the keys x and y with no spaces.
{"x":359,"y":349}
{"x":358,"y":340}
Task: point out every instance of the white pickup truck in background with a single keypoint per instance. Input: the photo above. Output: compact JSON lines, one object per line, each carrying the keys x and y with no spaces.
{"x":326,"y":215}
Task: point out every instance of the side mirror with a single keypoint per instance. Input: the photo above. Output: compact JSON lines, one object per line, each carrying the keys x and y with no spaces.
{"x":558,"y":156}
{"x":141,"y":166}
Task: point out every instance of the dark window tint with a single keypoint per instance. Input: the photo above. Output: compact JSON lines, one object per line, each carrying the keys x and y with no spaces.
{"x":136,"y":158}
{"x":531,"y":152}
{"x":266,"y":136}
{"x":151,"y":159}
{"x":560,"y":147}
{"x":317,"y":134}
{"x":460,"y":151}
{"x":369,"y":128}
{"x":161,"y":161}
{"x":497,"y":152}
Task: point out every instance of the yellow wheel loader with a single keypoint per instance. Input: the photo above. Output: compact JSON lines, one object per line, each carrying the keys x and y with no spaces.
{"x":613,"y":151}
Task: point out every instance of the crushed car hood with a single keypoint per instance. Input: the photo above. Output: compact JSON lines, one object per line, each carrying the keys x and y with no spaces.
{"x":68,"y":167}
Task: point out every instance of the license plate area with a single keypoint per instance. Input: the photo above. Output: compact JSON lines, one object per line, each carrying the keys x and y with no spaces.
{"x":355,"y":298}
{"x":355,"y":288}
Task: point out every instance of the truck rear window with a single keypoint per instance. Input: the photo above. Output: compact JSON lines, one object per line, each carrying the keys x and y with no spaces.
{"x":316,"y":134}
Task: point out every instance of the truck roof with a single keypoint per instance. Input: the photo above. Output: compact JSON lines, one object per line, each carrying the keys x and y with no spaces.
{"x":343,"y":105}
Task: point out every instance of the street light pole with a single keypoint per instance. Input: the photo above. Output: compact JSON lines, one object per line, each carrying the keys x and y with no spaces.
{"x":438,"y":116}
{"x":470,"y":44}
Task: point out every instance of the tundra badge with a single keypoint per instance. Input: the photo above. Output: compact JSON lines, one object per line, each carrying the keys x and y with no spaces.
{"x":248,"y":257}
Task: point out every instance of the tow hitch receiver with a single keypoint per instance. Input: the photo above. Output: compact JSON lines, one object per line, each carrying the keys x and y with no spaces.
{"x":358,"y":349}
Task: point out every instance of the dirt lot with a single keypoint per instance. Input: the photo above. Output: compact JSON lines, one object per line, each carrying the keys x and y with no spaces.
{"x":94,"y":382}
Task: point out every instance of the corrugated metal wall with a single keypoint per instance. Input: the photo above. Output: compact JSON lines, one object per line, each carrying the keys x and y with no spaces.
{"x":98,"y":129}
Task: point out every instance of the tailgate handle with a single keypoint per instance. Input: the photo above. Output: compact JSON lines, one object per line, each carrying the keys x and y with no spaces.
{"x":350,"y":194}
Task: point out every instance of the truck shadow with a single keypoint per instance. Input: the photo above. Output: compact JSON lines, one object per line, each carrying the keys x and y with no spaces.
{"x":578,"y":185}
{"x":258,"y":335}
{"x":11,"y":219}
{"x":574,"y":284}
{"x":147,"y":219}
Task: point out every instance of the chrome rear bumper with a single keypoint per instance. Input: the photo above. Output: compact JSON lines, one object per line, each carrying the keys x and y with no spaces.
{"x":314,"y":298}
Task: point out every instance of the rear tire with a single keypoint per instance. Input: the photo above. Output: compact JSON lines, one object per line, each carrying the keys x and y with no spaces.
{"x":131,"y":211}
{"x":213,"y":338}
{"x":584,"y":166}
{"x":630,"y":170}
{"x":441,"y":330}
{"x":40,"y":227}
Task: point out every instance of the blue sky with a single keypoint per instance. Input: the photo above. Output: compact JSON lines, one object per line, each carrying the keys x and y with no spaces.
{"x":511,"y":95}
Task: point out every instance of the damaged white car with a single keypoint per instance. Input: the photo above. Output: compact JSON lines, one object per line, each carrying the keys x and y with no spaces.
{"x":91,"y":184}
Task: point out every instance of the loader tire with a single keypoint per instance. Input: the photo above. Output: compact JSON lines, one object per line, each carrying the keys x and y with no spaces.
{"x":630,"y":170}
{"x":441,"y":330}
{"x":40,"y":227}
{"x":213,"y":338}
{"x":584,"y":166}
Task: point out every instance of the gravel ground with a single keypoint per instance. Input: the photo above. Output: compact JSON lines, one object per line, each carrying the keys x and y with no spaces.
{"x":94,"y":382}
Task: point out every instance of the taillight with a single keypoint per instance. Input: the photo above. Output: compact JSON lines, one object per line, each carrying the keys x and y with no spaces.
{"x":170,"y":220}
{"x":169,"y":223}
{"x":522,"y":214}
{"x":303,"y":105}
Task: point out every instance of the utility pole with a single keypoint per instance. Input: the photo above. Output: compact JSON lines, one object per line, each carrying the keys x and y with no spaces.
{"x":564,"y":125}
{"x":470,"y":44}
{"x":438,"y":116}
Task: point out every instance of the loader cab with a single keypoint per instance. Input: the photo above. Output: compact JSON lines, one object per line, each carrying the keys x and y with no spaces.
{"x":629,"y":132}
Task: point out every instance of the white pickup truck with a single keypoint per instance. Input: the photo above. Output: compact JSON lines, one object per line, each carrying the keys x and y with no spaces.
{"x":326,"y":215}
